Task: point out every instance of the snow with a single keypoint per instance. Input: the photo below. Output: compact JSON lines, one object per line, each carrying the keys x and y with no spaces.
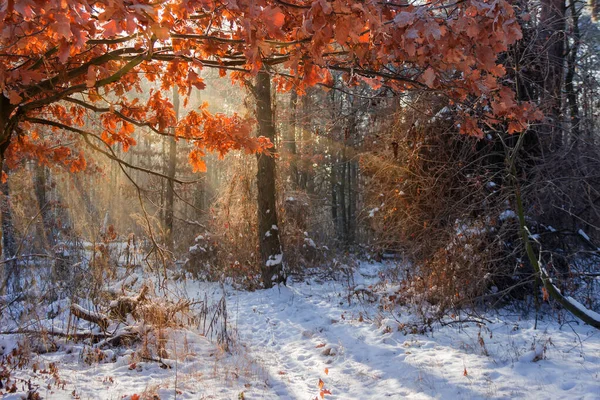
{"x":310,"y":243}
{"x":299,"y":331}
{"x":274,"y":260}
{"x":373,"y":211}
{"x":506,"y":214}
{"x":196,"y":249}
{"x":583,"y":235}
{"x":287,"y":338}
{"x":590,"y":313}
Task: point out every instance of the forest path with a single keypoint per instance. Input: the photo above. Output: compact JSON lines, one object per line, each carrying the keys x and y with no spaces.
{"x":309,"y":331}
{"x":287,"y":339}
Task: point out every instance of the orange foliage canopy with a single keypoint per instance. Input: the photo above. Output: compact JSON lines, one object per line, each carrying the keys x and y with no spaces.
{"x":63,"y":60}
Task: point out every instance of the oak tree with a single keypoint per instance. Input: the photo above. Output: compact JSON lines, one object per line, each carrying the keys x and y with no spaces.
{"x":71,"y":69}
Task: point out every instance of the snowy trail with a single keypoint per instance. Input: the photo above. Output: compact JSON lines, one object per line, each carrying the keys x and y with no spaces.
{"x":287,"y":339}
{"x":298,"y":332}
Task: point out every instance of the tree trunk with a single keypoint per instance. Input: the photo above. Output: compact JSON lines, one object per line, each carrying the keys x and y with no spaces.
{"x":268,"y":231}
{"x":8,"y":238}
{"x":170,"y":195}
{"x":571,"y":65}
{"x":334,"y":199}
{"x":289,"y":141}
{"x":5,"y":132}
{"x":552,"y":36}
{"x":201,"y":199}
{"x":305,"y":176}
{"x":45,"y":233}
{"x":343,"y":206}
{"x":350,"y":141}
{"x":352,"y":193}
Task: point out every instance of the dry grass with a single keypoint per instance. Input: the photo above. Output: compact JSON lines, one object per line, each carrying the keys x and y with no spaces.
{"x":437,"y":197}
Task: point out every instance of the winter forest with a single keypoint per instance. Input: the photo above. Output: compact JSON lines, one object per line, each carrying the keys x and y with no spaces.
{"x":299,"y":199}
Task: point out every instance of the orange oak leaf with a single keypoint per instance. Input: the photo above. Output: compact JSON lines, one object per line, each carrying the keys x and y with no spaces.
{"x":428,"y":77}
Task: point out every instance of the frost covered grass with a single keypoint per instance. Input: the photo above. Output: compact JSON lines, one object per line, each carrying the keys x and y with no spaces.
{"x":320,"y":337}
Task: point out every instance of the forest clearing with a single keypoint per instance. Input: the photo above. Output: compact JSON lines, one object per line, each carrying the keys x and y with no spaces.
{"x":296,"y":199}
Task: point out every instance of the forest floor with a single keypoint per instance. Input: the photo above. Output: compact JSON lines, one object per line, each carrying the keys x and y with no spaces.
{"x":330,"y":338}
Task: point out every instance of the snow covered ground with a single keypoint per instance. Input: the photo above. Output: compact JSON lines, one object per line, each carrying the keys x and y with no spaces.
{"x":311,"y":338}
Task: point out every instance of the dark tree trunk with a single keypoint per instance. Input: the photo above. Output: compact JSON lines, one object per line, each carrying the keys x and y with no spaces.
{"x":5,"y":132}
{"x":8,"y":238}
{"x":552,"y":36}
{"x":349,"y":142}
{"x":352,"y":194}
{"x":343,"y":206}
{"x":268,"y":232}
{"x":334,"y":199}
{"x":571,"y":65}
{"x":289,"y":140}
{"x":305,"y":176}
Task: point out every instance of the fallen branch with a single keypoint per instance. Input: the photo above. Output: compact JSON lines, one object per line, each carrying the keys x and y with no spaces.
{"x":124,"y":305}
{"x":94,"y":317}
{"x":100,"y":339}
{"x":163,"y":365}
{"x":79,"y":336}
{"x":123,"y":338}
{"x":588,"y":316}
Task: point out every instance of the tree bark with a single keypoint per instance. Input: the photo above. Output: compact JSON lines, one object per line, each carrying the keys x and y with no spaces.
{"x":8,"y":238}
{"x":552,"y":36}
{"x":342,"y":197}
{"x":172,"y":166}
{"x":45,"y":233}
{"x":571,"y":65}
{"x":334,"y":197}
{"x":305,"y":176}
{"x":268,"y":232}
{"x":289,"y":141}
{"x":5,"y":132}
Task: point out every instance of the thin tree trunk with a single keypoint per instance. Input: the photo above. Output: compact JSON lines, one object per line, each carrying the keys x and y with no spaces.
{"x":552,"y":35}
{"x":45,"y":233}
{"x":170,"y":195}
{"x":352,"y":192}
{"x":342,"y":196}
{"x":201,"y":195}
{"x":5,"y":132}
{"x":334,"y":197}
{"x":8,"y":238}
{"x":349,"y":141}
{"x":306,"y":178}
{"x":268,"y":232}
{"x":571,"y":65}
{"x":290,"y":140}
